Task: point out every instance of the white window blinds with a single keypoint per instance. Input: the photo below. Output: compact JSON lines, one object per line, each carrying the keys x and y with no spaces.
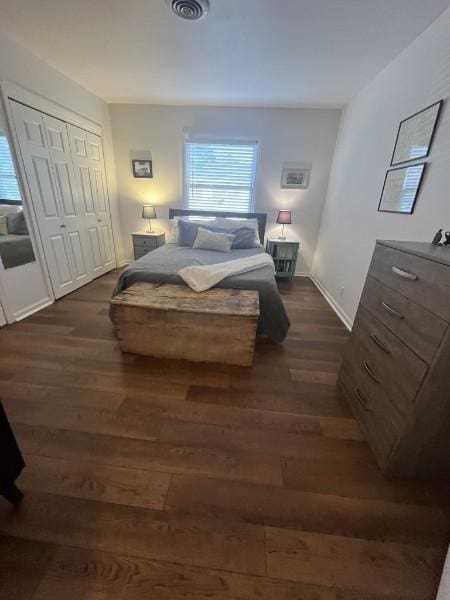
{"x":220,"y":176}
{"x":9,"y":187}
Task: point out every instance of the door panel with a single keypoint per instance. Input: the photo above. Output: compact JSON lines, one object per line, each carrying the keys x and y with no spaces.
{"x":87,"y":153}
{"x":78,"y":250}
{"x":72,"y":207}
{"x":95,"y":248}
{"x":44,"y":145}
{"x":45,"y":190}
{"x":61,"y":259}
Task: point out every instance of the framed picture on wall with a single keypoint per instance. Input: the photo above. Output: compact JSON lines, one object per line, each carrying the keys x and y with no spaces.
{"x":401,"y":188}
{"x":415,"y":135}
{"x":295,"y":176}
{"x":142,"y":169}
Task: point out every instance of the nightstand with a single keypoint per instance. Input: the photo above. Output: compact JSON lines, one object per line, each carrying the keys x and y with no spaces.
{"x":284,"y":254}
{"x":143,"y":243}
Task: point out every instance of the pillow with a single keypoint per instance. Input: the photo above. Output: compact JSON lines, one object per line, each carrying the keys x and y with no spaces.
{"x":244,"y":238}
{"x":187,"y":232}
{"x":17,"y":224}
{"x":3,"y":225}
{"x":213,"y":240}
{"x":229,"y":224}
{"x":173,"y":226}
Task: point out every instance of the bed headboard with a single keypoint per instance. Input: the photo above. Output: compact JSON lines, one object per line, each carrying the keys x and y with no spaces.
{"x":186,"y":212}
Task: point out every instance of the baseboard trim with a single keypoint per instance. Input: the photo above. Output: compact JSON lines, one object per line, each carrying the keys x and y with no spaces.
{"x":348,"y":322}
{"x":124,"y":263}
{"x":29,"y":310}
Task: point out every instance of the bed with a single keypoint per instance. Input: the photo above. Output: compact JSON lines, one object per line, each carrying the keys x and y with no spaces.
{"x":162,"y":266}
{"x":16,"y":250}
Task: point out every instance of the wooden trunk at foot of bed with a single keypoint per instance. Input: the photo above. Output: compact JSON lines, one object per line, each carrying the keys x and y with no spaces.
{"x":172,"y":321}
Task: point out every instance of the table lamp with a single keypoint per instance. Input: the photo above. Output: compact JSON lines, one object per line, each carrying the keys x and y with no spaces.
{"x":284,"y":218}
{"x":149,"y":212}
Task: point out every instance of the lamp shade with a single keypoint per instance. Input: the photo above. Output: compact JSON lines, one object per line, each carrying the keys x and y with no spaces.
{"x":284,"y":217}
{"x":148,"y":211}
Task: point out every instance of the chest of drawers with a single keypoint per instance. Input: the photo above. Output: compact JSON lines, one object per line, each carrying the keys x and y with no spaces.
{"x":396,"y":369}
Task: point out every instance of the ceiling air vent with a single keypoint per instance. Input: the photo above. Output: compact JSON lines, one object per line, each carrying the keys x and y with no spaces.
{"x":191,"y":10}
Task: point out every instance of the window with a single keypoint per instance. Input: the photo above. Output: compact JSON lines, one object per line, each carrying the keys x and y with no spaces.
{"x":219,"y":176}
{"x":9,"y":187}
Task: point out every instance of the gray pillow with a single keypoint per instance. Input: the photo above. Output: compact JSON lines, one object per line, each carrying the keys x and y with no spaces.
{"x":244,"y":238}
{"x":187,"y":232}
{"x":213,"y":240}
{"x":17,"y":224}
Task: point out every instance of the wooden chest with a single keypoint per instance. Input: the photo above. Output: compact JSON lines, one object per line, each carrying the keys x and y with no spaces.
{"x":396,"y":369}
{"x":173,"y":321}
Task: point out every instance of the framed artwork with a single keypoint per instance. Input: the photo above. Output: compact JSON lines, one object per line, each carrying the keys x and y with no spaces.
{"x":142,"y":169}
{"x":295,"y":178}
{"x":400,"y":189}
{"x":415,"y":135}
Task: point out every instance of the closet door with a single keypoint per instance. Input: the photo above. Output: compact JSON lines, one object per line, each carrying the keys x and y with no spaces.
{"x":95,"y":151}
{"x":71,"y":210}
{"x":30,"y":128}
{"x":89,"y":171}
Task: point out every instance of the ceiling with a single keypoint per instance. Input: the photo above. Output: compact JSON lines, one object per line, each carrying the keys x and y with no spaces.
{"x":244,"y":53}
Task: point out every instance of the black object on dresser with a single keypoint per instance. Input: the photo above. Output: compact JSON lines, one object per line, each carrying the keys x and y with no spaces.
{"x":396,"y":369}
{"x":143,"y":243}
{"x":11,"y":461}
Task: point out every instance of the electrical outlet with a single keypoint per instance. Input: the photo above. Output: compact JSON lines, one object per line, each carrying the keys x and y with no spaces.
{"x":341,"y":292}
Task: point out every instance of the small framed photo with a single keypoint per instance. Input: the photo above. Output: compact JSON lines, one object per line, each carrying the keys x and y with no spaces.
{"x":295,"y":178}
{"x":400,"y":189}
{"x":142,"y":169}
{"x":415,"y":135}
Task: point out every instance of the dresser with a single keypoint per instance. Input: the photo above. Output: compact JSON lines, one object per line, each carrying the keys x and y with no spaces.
{"x":143,"y":243}
{"x":396,"y":369}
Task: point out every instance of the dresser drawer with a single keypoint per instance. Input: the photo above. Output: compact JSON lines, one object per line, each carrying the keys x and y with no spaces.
{"x":425,"y":282}
{"x":380,"y":431}
{"x":417,"y":327}
{"x":390,"y":370}
{"x":139,"y":252}
{"x":144,"y":242}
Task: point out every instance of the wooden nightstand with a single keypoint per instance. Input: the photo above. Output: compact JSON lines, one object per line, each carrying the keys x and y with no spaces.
{"x":143,"y":243}
{"x":284,"y":254}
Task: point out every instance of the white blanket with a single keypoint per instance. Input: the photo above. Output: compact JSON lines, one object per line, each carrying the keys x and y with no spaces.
{"x":205,"y":277}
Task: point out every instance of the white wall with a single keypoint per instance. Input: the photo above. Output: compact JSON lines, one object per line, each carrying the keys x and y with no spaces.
{"x":351,"y":224}
{"x":20,"y":66}
{"x":293,"y":135}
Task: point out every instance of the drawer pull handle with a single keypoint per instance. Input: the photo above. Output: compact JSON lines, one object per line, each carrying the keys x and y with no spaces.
{"x":392,"y":311}
{"x":370,"y":372}
{"x":404,"y":274}
{"x":361,"y":400}
{"x":379,"y":343}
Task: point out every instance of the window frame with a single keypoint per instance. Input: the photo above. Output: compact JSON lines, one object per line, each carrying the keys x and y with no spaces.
{"x":12,"y":177}
{"x":238,"y":141}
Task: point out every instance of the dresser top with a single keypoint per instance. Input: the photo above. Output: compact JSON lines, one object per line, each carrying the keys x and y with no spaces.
{"x":440,"y":254}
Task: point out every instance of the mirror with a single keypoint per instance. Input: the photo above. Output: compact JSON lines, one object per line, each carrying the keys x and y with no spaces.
{"x":15,"y":242}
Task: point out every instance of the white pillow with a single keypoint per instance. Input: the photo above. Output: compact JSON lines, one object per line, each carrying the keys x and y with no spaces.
{"x":213,"y":240}
{"x":230,"y":223}
{"x":3,"y":225}
{"x":173,"y":226}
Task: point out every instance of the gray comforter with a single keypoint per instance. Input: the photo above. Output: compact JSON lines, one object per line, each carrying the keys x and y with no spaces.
{"x":162,"y":266}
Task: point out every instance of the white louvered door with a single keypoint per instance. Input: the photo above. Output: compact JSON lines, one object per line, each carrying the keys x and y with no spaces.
{"x":30,"y":128}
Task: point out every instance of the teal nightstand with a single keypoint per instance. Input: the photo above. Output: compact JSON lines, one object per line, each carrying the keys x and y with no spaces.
{"x":284,"y":254}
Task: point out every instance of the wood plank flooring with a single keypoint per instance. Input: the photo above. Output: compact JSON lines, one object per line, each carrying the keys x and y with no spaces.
{"x":168,"y":480}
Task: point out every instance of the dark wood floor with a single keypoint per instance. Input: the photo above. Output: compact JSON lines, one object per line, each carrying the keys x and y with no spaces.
{"x":149,"y":479}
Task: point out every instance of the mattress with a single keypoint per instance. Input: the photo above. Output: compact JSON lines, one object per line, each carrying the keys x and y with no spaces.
{"x":162,"y":266}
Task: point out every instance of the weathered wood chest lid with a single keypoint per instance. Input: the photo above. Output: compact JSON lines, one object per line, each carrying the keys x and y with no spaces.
{"x":180,"y":298}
